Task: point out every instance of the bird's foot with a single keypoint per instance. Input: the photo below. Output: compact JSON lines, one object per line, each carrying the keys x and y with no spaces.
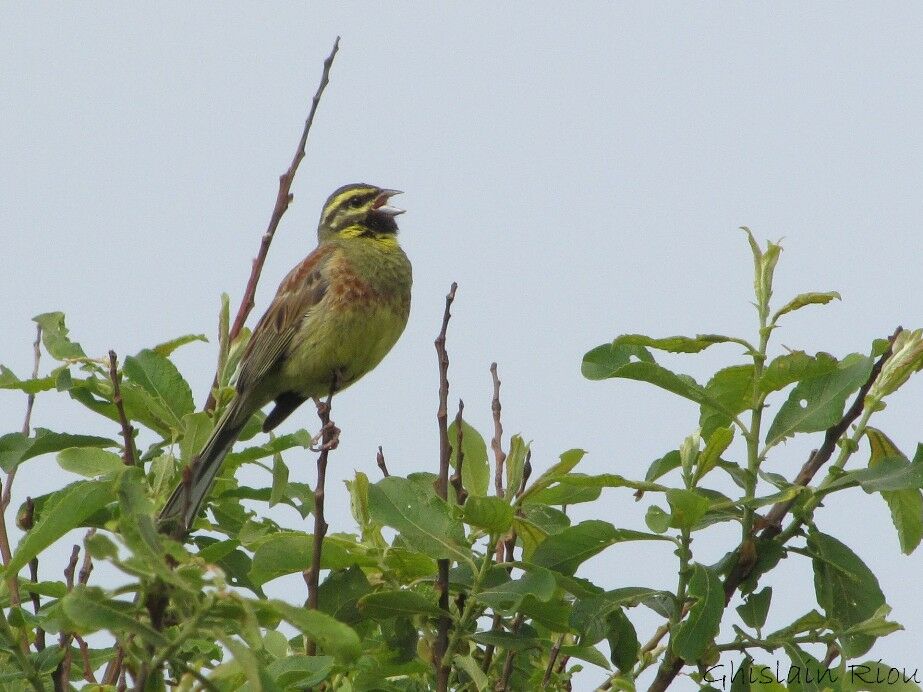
{"x":328,"y":437}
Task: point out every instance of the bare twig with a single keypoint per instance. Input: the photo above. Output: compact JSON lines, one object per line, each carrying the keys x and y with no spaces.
{"x":456,"y":480}
{"x":380,"y":459}
{"x":496,"y":441}
{"x":552,"y":657}
{"x":330,"y":436}
{"x":504,"y":682}
{"x":85,"y":655}
{"x":130,"y":455}
{"x":283,"y":199}
{"x":7,"y":492}
{"x":62,"y":673}
{"x":442,"y":489}
{"x":669,"y":669}
{"x":36,"y":604}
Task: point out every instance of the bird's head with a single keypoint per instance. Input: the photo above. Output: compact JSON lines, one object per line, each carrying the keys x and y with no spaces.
{"x":358,"y":209}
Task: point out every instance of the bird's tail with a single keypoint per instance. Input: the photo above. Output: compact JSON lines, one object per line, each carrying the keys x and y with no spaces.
{"x":184,"y":504}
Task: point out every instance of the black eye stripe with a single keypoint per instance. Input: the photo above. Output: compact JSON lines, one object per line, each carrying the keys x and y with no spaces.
{"x":360,"y":200}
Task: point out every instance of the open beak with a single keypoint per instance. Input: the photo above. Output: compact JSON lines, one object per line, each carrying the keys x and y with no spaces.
{"x":381,"y":203}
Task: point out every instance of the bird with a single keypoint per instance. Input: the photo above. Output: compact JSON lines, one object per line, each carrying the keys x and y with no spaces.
{"x":334,"y":317}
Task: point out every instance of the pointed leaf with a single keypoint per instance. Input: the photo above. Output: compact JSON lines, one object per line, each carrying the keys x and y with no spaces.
{"x":332,"y":636}
{"x":698,"y":630}
{"x":846,"y":588}
{"x":674,"y":344}
{"x":422,"y":519}
{"x":494,"y":514}
{"x":794,"y":367}
{"x":804,"y":299}
{"x":388,"y":604}
{"x":55,"y":336}
{"x":475,"y":471}
{"x":565,"y":551}
{"x":817,"y":403}
{"x":89,"y":462}
{"x":90,"y":611}
{"x":158,"y":376}
{"x":65,"y":510}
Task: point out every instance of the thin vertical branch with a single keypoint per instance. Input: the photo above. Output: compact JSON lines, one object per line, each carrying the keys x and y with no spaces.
{"x":456,"y":480}
{"x":552,"y":657}
{"x":130,"y":455}
{"x":61,"y":675}
{"x":497,"y":440}
{"x":7,"y":492}
{"x":283,"y":199}
{"x":330,"y":436}
{"x":85,"y":655}
{"x":380,"y":460}
{"x":442,"y":489}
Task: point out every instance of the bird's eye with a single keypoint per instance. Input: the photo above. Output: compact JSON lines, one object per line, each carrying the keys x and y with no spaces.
{"x":356,"y":202}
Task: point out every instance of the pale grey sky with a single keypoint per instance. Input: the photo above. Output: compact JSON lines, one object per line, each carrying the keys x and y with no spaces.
{"x":580,"y":171}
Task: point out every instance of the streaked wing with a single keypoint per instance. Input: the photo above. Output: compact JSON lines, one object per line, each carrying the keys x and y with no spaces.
{"x":299,"y":291}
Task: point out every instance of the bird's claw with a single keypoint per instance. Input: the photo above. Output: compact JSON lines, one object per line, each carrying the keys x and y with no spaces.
{"x":329,"y":437}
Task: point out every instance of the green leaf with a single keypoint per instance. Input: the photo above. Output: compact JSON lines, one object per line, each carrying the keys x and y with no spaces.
{"x":590,"y":654}
{"x":687,"y":508}
{"x":473,"y":670}
{"x":810,"y":621}
{"x":817,"y":403}
{"x":493,"y":514}
{"x":507,"y":640}
{"x":729,"y":392}
{"x":288,"y":552}
{"x":423,"y":520}
{"x":16,"y":448}
{"x":846,"y":589}
{"x":663,"y":465}
{"x":803,"y":299}
{"x":603,"y":480}
{"x":794,"y":367}
{"x":603,"y":361}
{"x":257,"y":677}
{"x":8,"y":380}
{"x":475,"y":471}
{"x":279,"y":480}
{"x":197,"y":428}
{"x":159,"y":377}
{"x":565,"y":551}
{"x":55,"y":336}
{"x":90,"y":611}
{"x":167,"y":347}
{"x":657,"y":520}
{"x":674,"y":344}
{"x":280,"y":443}
{"x":66,"y":509}
{"x":878,"y":625}
{"x":388,"y":604}
{"x":568,"y":460}
{"x":507,"y":597}
{"x":623,"y":640}
{"x":697,"y":632}
{"x":719,"y":440}
{"x":755,"y":608}
{"x":589,"y":616}
{"x":299,"y":671}
{"x":89,"y":462}
{"x":332,"y":637}
{"x":515,"y":465}
{"x":906,"y":504}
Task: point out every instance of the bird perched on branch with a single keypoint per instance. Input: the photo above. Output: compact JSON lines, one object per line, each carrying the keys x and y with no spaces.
{"x":333,"y":319}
